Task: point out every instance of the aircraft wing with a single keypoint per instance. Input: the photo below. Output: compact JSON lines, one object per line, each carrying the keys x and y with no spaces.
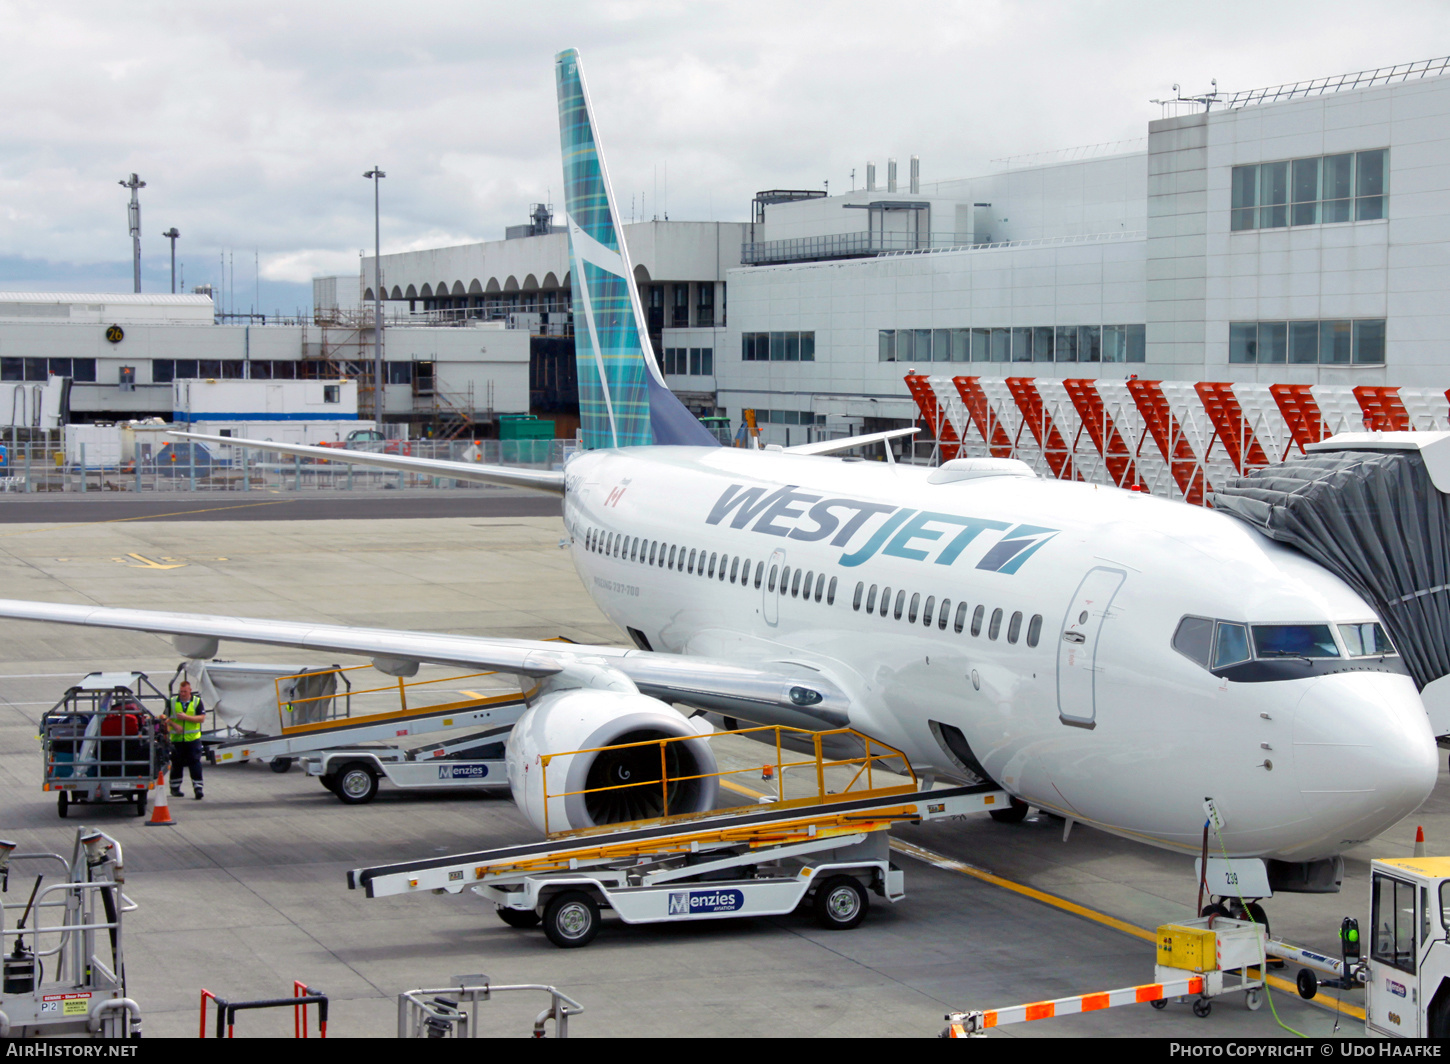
{"x":772,"y":693}
{"x":547,"y":480}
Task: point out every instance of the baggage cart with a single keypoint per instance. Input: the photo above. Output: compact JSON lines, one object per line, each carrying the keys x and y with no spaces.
{"x":105,"y":741}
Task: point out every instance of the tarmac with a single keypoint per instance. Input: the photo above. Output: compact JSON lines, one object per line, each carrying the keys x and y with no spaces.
{"x":248,"y":891}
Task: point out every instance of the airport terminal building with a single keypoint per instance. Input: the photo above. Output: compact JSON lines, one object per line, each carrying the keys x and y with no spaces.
{"x":1295,"y":234}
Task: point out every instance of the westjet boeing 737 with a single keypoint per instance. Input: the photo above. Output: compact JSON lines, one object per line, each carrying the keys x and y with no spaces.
{"x":1102,"y":654}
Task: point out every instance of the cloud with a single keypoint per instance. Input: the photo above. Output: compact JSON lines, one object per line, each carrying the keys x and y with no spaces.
{"x":253,"y":122}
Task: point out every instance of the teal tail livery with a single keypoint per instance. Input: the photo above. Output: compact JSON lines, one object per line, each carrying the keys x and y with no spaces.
{"x":623,"y":399}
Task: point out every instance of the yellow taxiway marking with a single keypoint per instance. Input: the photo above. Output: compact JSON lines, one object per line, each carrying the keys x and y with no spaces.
{"x":139,"y":517}
{"x":147,"y":563}
{"x":921,"y":853}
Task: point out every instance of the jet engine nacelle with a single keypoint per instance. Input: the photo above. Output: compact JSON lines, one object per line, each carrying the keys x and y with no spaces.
{"x":608,"y":712}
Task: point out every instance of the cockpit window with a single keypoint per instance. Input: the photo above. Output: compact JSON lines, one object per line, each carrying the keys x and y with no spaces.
{"x":1231,"y":646}
{"x":1367,"y":640}
{"x":1194,"y":639}
{"x":1294,"y":641}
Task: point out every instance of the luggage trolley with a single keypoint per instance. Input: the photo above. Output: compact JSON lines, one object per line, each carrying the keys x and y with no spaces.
{"x":101,"y":743}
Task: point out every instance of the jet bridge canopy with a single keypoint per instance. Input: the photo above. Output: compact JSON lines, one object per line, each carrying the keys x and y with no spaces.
{"x":1376,"y":520}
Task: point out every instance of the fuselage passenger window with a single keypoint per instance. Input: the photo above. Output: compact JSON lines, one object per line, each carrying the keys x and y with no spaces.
{"x":1014,"y":627}
{"x":870,"y":599}
{"x":995,"y":628}
{"x":977,"y":616}
{"x":946,"y":609}
{"x":885,"y":601}
{"x":961,"y":619}
{"x":653,"y":546}
{"x":795,"y":584}
{"x":1034,"y":629}
{"x":723,"y":559}
{"x":672,"y":556}
{"x":735,"y":569}
{"x":784,"y":579}
{"x":759,"y":573}
{"x":913,"y":609}
{"x":831,"y":592}
{"x":770,"y":586}
{"x":690,"y":566}
{"x":713,"y":556}
{"x":821,"y":586}
{"x":928,"y":611}
{"x":900,"y":602}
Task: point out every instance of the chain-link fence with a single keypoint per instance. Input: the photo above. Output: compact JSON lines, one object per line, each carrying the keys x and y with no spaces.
{"x":188,"y":466}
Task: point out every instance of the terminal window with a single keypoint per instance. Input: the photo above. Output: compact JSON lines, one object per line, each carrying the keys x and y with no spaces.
{"x":779,"y":346}
{"x":80,"y":370}
{"x":1023,"y":343}
{"x":1349,"y":187}
{"x":789,"y":417}
{"x":1332,"y":342}
{"x":689,"y":361}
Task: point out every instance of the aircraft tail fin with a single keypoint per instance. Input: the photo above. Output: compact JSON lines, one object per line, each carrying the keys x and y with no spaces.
{"x":623,"y":399}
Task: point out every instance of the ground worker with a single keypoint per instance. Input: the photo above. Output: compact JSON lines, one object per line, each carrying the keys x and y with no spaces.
{"x":186,"y":715}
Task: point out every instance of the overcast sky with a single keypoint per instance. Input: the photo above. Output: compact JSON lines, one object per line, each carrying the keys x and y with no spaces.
{"x":252,"y":123}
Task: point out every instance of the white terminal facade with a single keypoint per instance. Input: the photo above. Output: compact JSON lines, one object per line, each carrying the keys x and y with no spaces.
{"x":1299,"y":234}
{"x":123,"y":354}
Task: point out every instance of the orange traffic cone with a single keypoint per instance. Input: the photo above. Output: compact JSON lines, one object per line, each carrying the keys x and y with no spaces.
{"x":1419,"y":842}
{"x":161,"y":811}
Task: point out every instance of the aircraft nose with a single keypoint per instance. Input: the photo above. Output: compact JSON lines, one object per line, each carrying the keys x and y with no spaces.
{"x":1364,"y":754}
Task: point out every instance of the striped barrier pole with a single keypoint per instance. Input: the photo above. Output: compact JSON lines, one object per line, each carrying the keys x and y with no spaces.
{"x":966,"y":1024}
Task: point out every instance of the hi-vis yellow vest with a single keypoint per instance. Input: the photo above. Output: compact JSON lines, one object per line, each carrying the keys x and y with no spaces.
{"x":190,"y":729}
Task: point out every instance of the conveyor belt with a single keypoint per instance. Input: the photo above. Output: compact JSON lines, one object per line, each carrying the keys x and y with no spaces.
{"x":363,"y":877}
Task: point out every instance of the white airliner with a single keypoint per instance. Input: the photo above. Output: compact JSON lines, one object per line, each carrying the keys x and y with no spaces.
{"x":1102,"y":654}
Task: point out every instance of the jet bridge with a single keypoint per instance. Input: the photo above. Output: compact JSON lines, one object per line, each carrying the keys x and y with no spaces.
{"x":1374,"y":509}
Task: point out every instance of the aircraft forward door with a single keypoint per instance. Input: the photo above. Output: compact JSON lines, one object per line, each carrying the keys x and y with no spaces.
{"x":1077,"y":646}
{"x":771,"y":603}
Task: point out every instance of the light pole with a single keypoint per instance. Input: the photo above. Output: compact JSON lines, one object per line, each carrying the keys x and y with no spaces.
{"x":171,"y":235}
{"x":134,"y":214}
{"x":375,"y":175}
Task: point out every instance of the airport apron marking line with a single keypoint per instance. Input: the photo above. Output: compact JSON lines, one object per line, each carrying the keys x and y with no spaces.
{"x":147,"y":563}
{"x":921,"y":853}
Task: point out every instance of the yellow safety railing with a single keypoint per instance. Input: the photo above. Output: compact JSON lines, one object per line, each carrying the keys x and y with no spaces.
{"x":284,"y":704}
{"x":866,"y":763}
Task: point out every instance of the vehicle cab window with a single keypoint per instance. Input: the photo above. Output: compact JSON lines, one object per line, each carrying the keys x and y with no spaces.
{"x":1393,"y":911}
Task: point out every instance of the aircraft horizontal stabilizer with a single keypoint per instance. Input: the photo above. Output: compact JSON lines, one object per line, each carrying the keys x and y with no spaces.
{"x":546,"y":480}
